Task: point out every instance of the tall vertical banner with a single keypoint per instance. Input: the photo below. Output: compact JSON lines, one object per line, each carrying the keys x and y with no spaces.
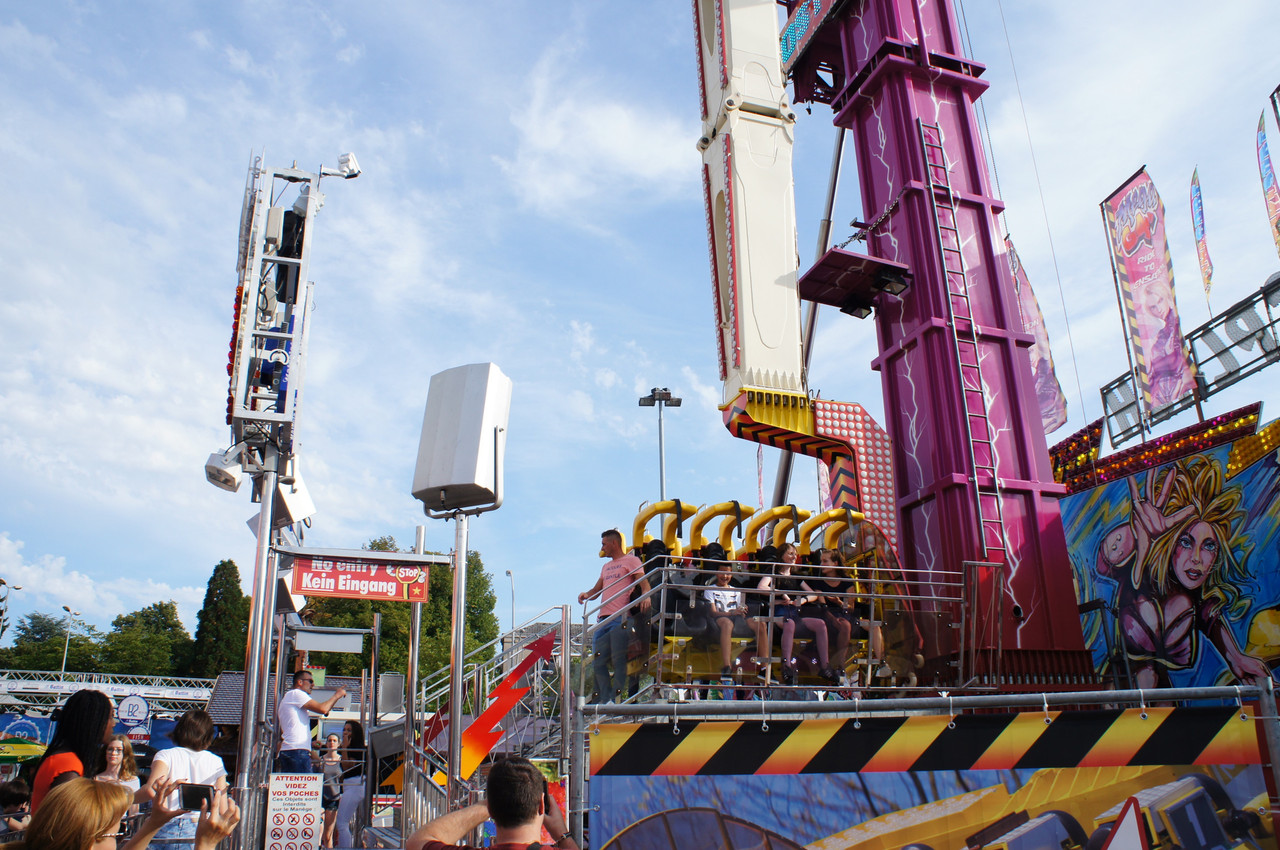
{"x":1053,"y":404}
{"x":824,"y":486}
{"x":1197,"y":226}
{"x":1144,"y":275}
{"x":1269,"y":189}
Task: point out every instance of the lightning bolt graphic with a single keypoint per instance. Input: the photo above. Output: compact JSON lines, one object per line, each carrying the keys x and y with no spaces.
{"x":478,"y":738}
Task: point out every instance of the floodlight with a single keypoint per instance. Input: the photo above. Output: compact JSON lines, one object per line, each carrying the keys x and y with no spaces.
{"x":893,"y":284}
{"x":223,"y":469}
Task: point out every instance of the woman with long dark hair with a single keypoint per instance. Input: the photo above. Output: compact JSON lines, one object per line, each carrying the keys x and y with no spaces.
{"x":83,"y":726}
{"x":352,"y":779}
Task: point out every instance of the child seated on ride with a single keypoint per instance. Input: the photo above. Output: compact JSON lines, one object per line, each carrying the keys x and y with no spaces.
{"x":727,"y":610}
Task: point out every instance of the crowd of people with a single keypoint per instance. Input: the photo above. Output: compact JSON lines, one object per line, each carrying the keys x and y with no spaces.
{"x":86,"y":786}
{"x":85,"y":792}
{"x":765,"y":597}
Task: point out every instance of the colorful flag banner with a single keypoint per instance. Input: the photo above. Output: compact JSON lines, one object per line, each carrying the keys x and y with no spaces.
{"x":1144,"y":270}
{"x":1197,"y":225}
{"x":1269,"y":189}
{"x":760,"y":474}
{"x":1053,"y":404}
{"x":824,"y":486}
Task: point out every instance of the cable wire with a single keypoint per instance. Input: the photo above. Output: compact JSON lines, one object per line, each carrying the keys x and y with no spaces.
{"x":1057,"y":273}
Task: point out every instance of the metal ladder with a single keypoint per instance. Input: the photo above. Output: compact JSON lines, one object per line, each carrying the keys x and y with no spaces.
{"x":963,"y":329}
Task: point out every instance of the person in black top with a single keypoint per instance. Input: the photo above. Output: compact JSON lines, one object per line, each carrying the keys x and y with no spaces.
{"x":787,"y":591}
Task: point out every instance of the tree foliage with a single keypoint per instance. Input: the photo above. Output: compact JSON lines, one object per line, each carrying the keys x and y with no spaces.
{"x":148,"y":642}
{"x":39,"y":641}
{"x":222,"y":626}
{"x":481,"y":623}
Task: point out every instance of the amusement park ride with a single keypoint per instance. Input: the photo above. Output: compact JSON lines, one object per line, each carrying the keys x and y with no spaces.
{"x":983,"y":569}
{"x":950,"y":512}
{"x":965,"y":493}
{"x":957,"y":488}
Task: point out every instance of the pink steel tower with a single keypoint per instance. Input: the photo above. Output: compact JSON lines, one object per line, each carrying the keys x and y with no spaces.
{"x":972,"y":474}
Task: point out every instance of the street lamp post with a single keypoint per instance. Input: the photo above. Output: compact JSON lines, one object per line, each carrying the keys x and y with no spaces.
{"x":71,"y":615}
{"x":513,"y":599}
{"x":661,"y":398}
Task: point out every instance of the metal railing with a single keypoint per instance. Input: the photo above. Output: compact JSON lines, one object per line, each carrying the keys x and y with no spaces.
{"x":896,"y":596}
{"x":532,"y":726}
{"x":40,"y":688}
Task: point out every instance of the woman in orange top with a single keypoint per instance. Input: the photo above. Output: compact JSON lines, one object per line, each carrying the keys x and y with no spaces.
{"x":84,"y":725}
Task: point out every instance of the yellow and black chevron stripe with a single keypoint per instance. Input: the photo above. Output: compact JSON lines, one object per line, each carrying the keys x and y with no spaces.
{"x":1165,"y":736}
{"x":785,"y":421}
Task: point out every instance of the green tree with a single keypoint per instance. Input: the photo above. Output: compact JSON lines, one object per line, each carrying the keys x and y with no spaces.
{"x":148,"y":642}
{"x":481,"y":623}
{"x":222,"y":626}
{"x":39,"y":640}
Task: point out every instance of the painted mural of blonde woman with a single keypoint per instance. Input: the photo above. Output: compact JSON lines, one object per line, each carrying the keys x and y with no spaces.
{"x":1178,"y":572}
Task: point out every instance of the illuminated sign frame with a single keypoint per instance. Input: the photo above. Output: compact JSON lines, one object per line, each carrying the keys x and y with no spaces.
{"x":1228,"y":348}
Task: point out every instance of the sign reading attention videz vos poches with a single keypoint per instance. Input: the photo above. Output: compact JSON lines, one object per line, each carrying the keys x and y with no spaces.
{"x":359,"y":573}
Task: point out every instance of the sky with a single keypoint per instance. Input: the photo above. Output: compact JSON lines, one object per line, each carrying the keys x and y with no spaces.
{"x":530,"y":197}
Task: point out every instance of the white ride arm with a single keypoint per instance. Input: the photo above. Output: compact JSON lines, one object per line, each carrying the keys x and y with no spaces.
{"x":746,"y":154}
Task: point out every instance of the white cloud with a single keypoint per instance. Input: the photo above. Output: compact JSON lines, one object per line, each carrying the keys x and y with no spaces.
{"x":47,"y":584}
{"x":581,"y":145}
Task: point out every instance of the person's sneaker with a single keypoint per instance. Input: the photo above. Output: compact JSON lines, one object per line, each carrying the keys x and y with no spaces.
{"x":830,"y":674}
{"x":884,"y":671}
{"x":788,"y":674}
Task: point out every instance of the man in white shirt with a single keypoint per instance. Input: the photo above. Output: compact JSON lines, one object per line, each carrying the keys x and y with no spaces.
{"x":294,"y":716}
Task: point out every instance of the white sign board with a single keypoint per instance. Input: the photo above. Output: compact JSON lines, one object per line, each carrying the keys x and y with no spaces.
{"x":133,"y":711}
{"x":140,"y":734}
{"x":294,"y":819}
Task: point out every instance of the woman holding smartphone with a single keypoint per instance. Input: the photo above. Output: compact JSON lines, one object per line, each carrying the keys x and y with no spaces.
{"x":189,"y":762}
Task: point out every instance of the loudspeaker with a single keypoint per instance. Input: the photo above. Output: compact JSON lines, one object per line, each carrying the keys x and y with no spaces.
{"x":458,"y":466}
{"x":387,"y":740}
{"x":390,"y":693}
{"x":287,"y":602}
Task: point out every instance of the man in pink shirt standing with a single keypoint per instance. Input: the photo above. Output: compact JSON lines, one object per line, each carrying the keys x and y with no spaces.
{"x":610,"y":640}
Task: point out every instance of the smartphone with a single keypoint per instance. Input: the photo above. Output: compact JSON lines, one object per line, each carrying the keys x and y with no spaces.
{"x":190,"y":796}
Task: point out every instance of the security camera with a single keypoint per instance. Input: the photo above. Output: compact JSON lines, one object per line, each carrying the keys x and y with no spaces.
{"x":223,"y":469}
{"x":347,"y":168}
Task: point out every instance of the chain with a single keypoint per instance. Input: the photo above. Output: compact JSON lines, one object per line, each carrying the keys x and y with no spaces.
{"x":861,"y":235}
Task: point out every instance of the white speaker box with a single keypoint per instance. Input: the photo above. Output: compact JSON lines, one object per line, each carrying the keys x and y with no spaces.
{"x":458,"y":466}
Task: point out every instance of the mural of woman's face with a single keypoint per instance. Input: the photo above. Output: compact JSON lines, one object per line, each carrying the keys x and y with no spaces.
{"x":1195,"y":554}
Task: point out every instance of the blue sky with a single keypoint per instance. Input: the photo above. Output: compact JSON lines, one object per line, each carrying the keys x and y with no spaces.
{"x":530,"y":197}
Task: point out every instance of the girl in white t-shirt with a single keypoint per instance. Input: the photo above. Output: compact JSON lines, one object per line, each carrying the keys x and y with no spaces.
{"x":189,"y":761}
